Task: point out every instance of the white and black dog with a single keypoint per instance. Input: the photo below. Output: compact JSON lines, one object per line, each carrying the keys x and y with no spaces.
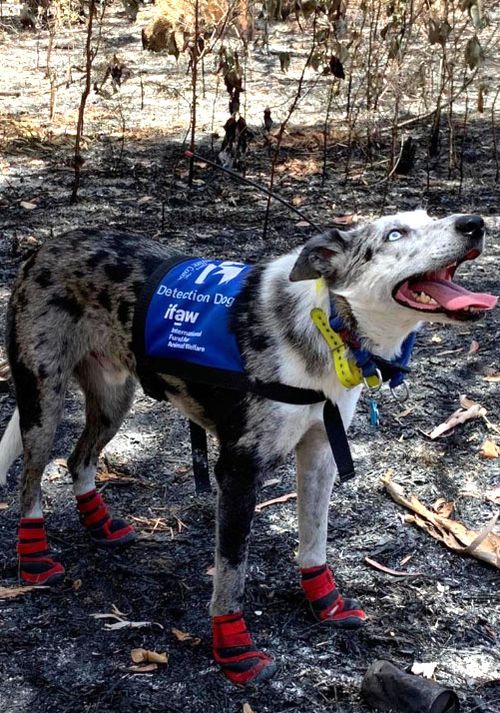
{"x":72,"y":313}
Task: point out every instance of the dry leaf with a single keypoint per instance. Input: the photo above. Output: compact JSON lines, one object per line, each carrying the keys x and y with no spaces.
{"x":143,"y":668}
{"x":184,"y":636}
{"x":388,"y":570}
{"x":493,"y":379}
{"x":466,"y":402}
{"x":4,"y":506}
{"x":281,"y":499}
{"x":13,"y":592}
{"x":27,"y":206}
{"x":443,"y":507}
{"x":77,"y":584}
{"x":489,"y":449}
{"x":146,"y":656}
{"x":424,"y":669}
{"x":405,"y":412}
{"x":247,"y":708}
{"x":271,"y":481}
{"x":474,"y":347}
{"x":302,"y":224}
{"x":145,"y":199}
{"x":345,"y":219}
{"x":484,"y":545}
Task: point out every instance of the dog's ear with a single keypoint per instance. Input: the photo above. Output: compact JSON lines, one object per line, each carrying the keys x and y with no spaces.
{"x":318,"y":257}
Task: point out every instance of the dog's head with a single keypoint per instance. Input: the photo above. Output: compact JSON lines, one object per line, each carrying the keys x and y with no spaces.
{"x":400,"y":268}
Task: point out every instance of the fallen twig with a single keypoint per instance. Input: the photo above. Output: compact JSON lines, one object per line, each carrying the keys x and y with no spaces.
{"x":281,"y":499}
{"x":389,"y":570}
{"x":13,"y":592}
{"x":468,"y":410}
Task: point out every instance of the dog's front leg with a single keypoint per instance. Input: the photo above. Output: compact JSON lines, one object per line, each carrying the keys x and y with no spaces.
{"x":315,"y":475}
{"x":233,"y":648}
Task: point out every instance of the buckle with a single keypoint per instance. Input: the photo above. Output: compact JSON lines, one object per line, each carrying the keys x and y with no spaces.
{"x":374,"y":387}
{"x":401,"y":392}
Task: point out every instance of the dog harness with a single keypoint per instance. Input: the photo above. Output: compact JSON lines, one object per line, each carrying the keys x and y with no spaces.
{"x":182,"y":328}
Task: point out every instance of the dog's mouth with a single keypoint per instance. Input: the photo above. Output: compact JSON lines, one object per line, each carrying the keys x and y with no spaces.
{"x":436,"y":292}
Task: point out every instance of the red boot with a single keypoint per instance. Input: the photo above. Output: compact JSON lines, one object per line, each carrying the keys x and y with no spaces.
{"x":104,"y":530}
{"x":326,"y":602}
{"x":36,"y":566}
{"x":233,"y":649}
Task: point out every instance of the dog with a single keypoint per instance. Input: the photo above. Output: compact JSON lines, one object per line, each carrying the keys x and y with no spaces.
{"x":71,"y":314}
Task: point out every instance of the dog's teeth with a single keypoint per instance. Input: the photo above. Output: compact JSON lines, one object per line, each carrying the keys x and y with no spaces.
{"x":424,"y":298}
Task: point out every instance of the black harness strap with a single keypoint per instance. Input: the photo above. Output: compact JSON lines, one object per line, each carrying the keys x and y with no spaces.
{"x":339,"y":444}
{"x":334,"y":428}
{"x":200,"y":457}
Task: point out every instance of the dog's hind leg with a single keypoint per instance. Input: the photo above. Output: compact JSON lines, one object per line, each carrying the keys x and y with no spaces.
{"x":233,"y":648}
{"x":109,"y":391}
{"x":315,"y":475}
{"x":39,"y":392}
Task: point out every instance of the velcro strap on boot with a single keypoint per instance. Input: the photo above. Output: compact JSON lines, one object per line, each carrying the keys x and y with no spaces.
{"x":326,"y":601}
{"x":104,"y":530}
{"x":35,"y":564}
{"x":234,"y":651}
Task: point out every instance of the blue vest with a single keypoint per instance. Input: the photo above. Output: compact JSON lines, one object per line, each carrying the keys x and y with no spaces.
{"x":182,"y":320}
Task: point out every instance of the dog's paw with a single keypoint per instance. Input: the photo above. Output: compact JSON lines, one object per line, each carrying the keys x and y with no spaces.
{"x":105,"y":531}
{"x":36,"y":566}
{"x":346,"y":615}
{"x":233,"y":649}
{"x":42,"y":571}
{"x":327,"y":604}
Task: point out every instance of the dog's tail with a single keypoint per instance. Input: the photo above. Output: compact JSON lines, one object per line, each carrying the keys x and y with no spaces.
{"x":11,"y":446}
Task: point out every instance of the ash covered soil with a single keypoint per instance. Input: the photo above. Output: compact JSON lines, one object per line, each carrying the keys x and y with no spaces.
{"x":54,"y":656}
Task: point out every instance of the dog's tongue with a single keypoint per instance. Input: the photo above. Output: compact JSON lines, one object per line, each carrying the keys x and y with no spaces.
{"x":452,"y":297}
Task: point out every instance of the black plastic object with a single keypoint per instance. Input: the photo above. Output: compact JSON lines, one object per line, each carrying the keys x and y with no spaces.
{"x":387,"y":688}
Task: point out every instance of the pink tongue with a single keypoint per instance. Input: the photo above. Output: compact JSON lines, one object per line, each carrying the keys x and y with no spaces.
{"x":453,"y":297}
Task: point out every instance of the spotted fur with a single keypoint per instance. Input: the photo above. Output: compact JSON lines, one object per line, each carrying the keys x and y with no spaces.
{"x":70,"y":315}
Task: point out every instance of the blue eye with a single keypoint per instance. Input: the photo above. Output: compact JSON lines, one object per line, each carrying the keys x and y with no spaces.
{"x":394,"y":235}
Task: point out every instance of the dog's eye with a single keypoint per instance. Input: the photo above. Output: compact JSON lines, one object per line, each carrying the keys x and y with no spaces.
{"x":394,"y":235}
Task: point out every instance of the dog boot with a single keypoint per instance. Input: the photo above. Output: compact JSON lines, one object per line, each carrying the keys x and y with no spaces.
{"x":36,"y":566}
{"x":326,"y":602}
{"x":235,"y":652}
{"x":104,"y":530}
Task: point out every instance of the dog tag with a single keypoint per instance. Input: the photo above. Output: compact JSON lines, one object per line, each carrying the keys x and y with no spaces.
{"x":374,"y":415}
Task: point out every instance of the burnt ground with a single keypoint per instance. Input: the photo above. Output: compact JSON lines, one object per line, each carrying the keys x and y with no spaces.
{"x":54,"y":657}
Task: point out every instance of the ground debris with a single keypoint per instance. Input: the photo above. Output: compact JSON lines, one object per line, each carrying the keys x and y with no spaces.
{"x":484,"y":545}
{"x":121,"y":622}
{"x":468,"y":409}
{"x":14,"y":592}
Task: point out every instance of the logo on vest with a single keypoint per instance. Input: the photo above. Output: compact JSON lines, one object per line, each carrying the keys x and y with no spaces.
{"x":227,"y":269}
{"x":180,"y":316}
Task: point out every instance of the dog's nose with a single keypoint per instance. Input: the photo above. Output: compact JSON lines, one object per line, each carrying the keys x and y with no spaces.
{"x":470,"y":225}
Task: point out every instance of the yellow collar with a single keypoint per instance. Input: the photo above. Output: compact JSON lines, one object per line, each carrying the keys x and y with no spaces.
{"x":348,"y":373}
